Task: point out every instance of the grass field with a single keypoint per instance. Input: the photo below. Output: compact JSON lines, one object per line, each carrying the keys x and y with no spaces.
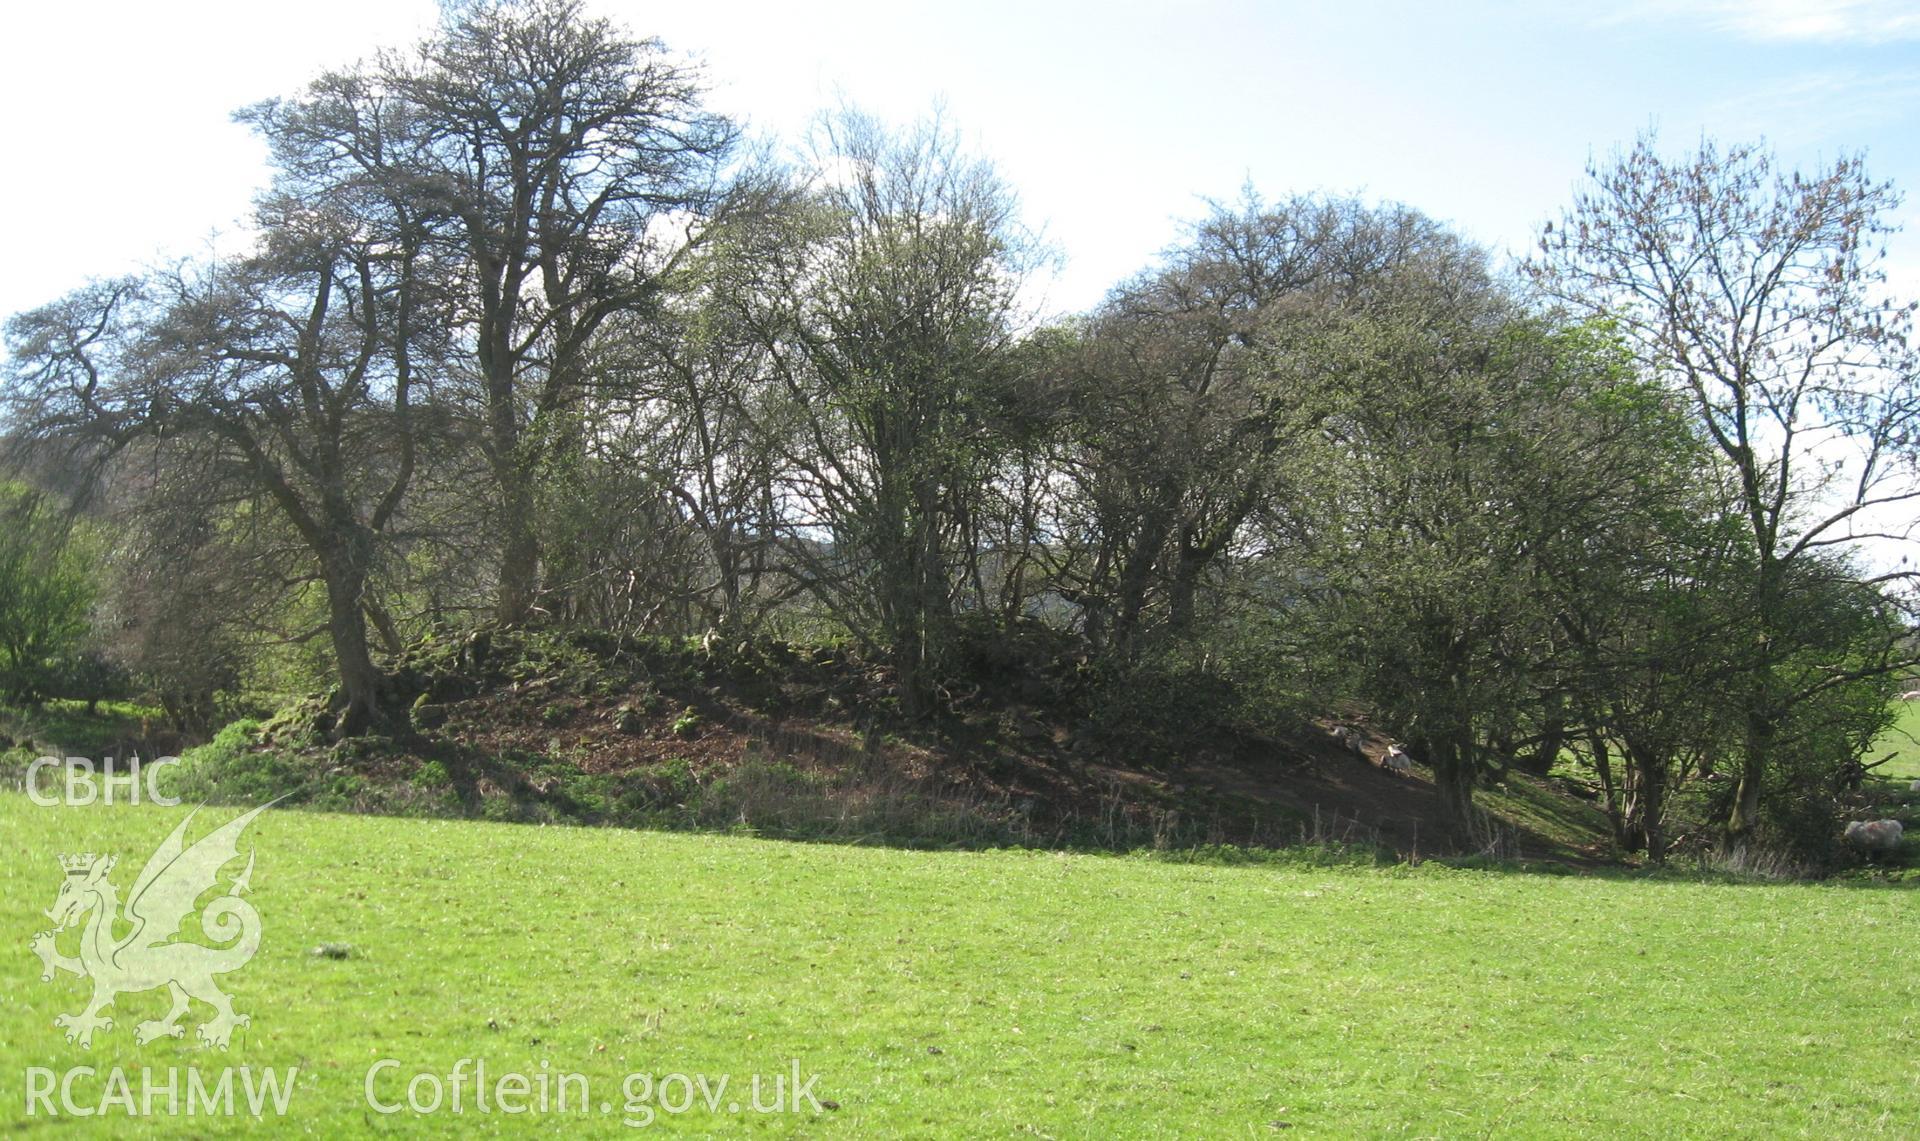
{"x":66,"y":728}
{"x":1006,"y":994}
{"x":1903,"y":740}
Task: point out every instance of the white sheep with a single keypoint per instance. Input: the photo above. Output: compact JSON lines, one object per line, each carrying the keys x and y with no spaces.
{"x":1875,"y":835}
{"x":1349,"y":738}
{"x":1395,"y":760}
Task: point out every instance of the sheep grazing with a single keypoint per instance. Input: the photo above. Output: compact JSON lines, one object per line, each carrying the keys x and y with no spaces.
{"x":1875,"y":835}
{"x":1350,"y":738}
{"x":1395,"y":760}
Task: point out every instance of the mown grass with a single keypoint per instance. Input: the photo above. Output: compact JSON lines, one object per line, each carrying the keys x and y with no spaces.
{"x":1012,"y":993}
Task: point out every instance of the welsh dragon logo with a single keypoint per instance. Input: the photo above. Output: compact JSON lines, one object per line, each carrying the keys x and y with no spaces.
{"x":148,"y":956}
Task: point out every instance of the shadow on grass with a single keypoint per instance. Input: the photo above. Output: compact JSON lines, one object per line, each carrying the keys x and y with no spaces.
{"x":775,"y":801}
{"x":115,"y":734}
{"x":71,"y":728}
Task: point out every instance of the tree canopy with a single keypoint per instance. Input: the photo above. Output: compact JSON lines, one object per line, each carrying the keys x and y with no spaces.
{"x":528,"y":337}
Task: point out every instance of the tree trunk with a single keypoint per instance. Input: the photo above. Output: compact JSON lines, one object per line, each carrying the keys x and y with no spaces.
{"x":361,"y":682}
{"x":1757,"y":754}
{"x":1745,"y":814}
{"x":519,"y":557}
{"x":1646,"y":814}
{"x":389,"y":631}
{"x":1453,"y":776}
{"x":1136,"y":579}
{"x":1615,"y":809}
{"x":1186,"y":584}
{"x":1553,"y":738}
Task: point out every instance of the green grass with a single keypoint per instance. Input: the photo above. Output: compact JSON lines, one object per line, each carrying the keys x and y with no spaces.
{"x":1903,"y":740}
{"x":67,"y":728}
{"x":1013,"y":993}
{"x":1572,"y":828}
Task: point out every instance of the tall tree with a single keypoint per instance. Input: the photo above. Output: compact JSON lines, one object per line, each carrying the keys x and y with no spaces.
{"x":1177,"y":419}
{"x":887,"y":311}
{"x":1759,"y":294}
{"x":288,"y":372}
{"x":560,"y":162}
{"x":1471,"y":462}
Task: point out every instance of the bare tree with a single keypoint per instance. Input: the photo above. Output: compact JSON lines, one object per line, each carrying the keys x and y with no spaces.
{"x":1759,"y":293}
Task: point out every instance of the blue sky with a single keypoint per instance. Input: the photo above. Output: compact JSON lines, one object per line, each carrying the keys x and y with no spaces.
{"x":1115,"y":121}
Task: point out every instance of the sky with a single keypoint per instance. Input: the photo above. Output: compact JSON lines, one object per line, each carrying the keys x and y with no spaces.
{"x":1115,"y":122}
